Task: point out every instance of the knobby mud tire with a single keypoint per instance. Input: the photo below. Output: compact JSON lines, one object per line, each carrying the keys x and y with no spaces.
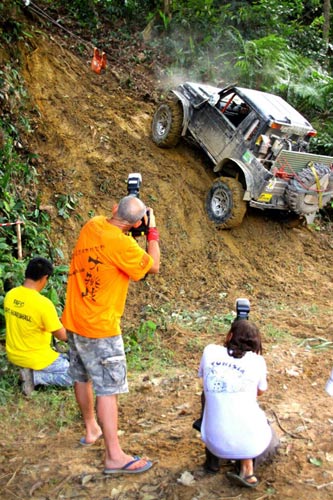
{"x":228,"y":194}
{"x":167,"y":124}
{"x":295,"y":195}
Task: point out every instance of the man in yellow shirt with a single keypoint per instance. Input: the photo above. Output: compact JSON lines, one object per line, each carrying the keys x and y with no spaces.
{"x":31,"y":320}
{"x":103,"y":262}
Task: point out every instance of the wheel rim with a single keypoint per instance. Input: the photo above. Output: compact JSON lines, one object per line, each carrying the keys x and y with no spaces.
{"x":220,"y":203}
{"x":162,"y":122}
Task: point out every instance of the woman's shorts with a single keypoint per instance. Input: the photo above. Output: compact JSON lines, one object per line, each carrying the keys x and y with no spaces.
{"x":270,"y":451}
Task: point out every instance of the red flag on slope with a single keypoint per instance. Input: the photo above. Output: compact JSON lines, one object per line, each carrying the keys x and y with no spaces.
{"x":98,"y":62}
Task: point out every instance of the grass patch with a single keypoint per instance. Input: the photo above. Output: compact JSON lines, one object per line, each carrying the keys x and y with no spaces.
{"x":55,"y":404}
{"x":199,"y":320}
{"x":167,"y":334}
{"x":143,"y":347}
{"x":9,"y":378}
{"x":275,"y":334}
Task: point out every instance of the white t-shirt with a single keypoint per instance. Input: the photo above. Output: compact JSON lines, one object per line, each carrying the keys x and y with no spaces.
{"x":233,"y":425}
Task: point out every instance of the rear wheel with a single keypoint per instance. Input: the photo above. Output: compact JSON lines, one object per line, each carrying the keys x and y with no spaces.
{"x":302,"y":192}
{"x":224,"y":203}
{"x":167,"y":124}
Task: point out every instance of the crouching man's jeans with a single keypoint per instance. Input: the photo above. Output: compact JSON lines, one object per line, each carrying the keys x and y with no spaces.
{"x":54,"y":374}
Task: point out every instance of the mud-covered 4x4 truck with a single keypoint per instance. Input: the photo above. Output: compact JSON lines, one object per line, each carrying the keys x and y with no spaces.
{"x":258,"y":144}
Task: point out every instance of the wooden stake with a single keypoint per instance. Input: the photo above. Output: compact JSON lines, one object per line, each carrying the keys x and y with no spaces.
{"x":19,"y":240}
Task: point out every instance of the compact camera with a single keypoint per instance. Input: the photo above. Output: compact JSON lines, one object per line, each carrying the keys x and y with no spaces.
{"x":134,"y":181}
{"x":242,"y":309}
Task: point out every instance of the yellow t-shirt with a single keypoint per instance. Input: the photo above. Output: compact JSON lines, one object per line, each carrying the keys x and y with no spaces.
{"x":103,"y":261}
{"x":30,"y":319}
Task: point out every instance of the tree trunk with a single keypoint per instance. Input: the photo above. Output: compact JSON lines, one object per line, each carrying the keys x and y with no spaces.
{"x":327,"y":21}
{"x":167,"y":8}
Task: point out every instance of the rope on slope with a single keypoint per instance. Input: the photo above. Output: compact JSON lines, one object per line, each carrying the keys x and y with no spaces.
{"x":98,"y":63}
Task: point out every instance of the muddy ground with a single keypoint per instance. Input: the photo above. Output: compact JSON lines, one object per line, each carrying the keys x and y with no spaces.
{"x":90,"y":132}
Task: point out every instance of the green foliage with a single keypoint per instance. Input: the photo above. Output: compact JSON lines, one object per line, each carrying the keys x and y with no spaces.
{"x":322,"y":116}
{"x":20,"y":200}
{"x":92,"y":14}
{"x":18,"y":176}
{"x":141,"y":345}
{"x":13,"y":95}
{"x":57,"y":408}
{"x":12,"y":31}
{"x":166,"y":20}
{"x":67,"y":203}
{"x":256,"y":63}
{"x":55,"y":289}
{"x":9,"y":378}
{"x":323,"y":144}
{"x":11,"y":269}
{"x":83,"y":12}
{"x":316,"y":461}
{"x":308,"y":88}
{"x":11,"y":274}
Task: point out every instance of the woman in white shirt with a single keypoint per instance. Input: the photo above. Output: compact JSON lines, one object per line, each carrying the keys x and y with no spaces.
{"x":233,"y":426}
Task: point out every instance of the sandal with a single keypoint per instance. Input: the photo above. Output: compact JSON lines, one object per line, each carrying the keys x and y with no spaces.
{"x":243,"y":481}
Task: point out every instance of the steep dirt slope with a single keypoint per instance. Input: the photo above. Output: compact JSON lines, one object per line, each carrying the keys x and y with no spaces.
{"x":90,"y":133}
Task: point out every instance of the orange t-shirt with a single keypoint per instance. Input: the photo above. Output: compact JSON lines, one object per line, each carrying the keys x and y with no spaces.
{"x":103,"y":261}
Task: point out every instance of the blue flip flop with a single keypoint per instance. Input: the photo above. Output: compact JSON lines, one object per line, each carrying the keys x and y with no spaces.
{"x":127,"y":470}
{"x":83,"y":441}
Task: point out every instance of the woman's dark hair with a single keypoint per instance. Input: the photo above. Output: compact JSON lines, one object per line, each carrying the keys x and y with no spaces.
{"x":37,"y":268}
{"x":243,"y":336}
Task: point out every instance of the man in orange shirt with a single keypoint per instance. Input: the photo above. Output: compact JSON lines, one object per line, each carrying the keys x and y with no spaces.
{"x":104,"y":260}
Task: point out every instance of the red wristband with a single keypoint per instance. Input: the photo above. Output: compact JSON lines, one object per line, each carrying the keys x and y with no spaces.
{"x":153,"y":234}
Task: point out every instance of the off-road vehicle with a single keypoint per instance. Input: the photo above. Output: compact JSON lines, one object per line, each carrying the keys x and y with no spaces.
{"x":258,"y":144}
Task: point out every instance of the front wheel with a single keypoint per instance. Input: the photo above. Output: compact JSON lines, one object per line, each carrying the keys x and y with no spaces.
{"x":167,"y":124}
{"x":224,"y":203}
